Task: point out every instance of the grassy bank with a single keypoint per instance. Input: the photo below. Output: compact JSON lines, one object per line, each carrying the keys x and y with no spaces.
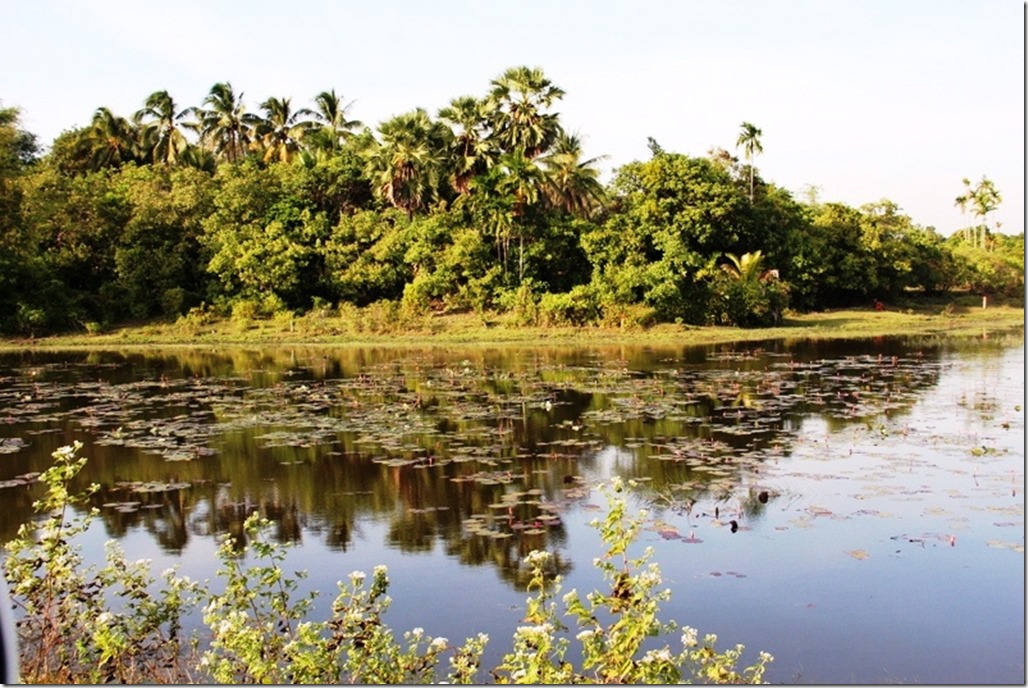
{"x":384,"y":326}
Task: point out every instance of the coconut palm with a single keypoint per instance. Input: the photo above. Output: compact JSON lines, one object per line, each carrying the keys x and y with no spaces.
{"x":962,"y":201}
{"x":749,"y":139}
{"x":161,"y":129}
{"x":281,"y":131}
{"x":473,"y":151}
{"x":112,"y":140}
{"x":572,"y":184}
{"x":407,"y":168}
{"x":224,"y":124}
{"x":521,"y":96}
{"x":985,"y":198}
{"x":330,"y":112}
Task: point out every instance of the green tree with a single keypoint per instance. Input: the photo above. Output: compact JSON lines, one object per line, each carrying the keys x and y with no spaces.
{"x":521,"y":96}
{"x":474,"y":151}
{"x":281,"y":131}
{"x":332,"y":127}
{"x":749,"y":139}
{"x":407,"y":168}
{"x":985,"y":199}
{"x":264,"y":235}
{"x":158,"y":259}
{"x":572,"y":184}
{"x":112,"y":140}
{"x":676,"y":216}
{"x":162,"y":129}
{"x":224,"y":124}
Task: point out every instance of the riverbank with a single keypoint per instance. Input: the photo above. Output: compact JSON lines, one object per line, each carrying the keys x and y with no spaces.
{"x":373,"y":327}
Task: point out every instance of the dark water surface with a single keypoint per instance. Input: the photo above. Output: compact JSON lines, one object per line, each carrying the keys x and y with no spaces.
{"x":877,"y":487}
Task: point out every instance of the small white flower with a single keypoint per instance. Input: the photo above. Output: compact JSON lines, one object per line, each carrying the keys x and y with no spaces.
{"x":689,"y":636}
{"x":357,"y":576}
{"x":438,"y":644}
{"x":381,"y":570}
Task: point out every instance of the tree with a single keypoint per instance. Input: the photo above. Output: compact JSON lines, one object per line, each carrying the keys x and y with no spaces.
{"x":520,"y":96}
{"x":407,"y":168}
{"x":224,"y":124}
{"x":281,"y":131}
{"x":161,"y":126}
{"x":572,"y":184}
{"x":748,"y":268}
{"x":749,"y":139}
{"x":985,"y":198}
{"x":330,"y":112}
{"x":473,"y":151}
{"x":962,"y":201}
{"x":113,"y":140}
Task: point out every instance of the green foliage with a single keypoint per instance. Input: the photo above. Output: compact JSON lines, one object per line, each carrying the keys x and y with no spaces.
{"x":133,"y":630}
{"x":265,"y":237}
{"x":620,"y":630}
{"x":129,"y":218}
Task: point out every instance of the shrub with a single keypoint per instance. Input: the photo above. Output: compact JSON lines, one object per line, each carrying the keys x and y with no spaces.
{"x":133,"y":634}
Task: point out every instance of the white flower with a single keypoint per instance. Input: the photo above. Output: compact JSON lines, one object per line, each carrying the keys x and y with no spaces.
{"x":381,"y":570}
{"x":357,"y":577}
{"x":689,"y":636}
{"x":438,"y":644}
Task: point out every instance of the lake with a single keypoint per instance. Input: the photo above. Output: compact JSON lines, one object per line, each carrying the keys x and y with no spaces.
{"x":855,"y":508}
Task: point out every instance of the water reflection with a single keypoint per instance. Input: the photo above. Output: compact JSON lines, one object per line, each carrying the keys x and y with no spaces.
{"x":482,"y":449}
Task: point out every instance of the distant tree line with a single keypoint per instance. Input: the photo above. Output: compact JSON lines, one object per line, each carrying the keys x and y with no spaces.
{"x":489,"y":204}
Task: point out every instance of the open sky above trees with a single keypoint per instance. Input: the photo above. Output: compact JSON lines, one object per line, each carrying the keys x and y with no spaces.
{"x":863,"y":98}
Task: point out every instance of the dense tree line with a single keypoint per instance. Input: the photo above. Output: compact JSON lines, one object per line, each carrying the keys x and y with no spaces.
{"x":487,"y":205}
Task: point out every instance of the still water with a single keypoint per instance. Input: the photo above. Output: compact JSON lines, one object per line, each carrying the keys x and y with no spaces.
{"x":854,"y":508}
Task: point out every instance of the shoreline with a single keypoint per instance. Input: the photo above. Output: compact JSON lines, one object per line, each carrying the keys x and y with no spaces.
{"x":471,"y":330}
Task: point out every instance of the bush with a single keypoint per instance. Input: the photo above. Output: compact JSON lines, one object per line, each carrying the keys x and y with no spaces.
{"x":577,"y":307}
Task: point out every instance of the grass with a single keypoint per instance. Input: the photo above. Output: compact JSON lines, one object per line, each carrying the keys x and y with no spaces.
{"x":957,"y":317}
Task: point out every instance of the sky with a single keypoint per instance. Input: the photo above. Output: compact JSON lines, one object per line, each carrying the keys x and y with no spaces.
{"x":859,"y":100}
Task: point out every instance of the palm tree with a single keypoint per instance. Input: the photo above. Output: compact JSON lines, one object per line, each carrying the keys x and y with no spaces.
{"x":281,"y":131}
{"x":748,"y":268}
{"x":749,"y":139}
{"x":407,"y":168}
{"x":473,"y":152}
{"x":572,"y":184}
{"x":521,"y":96}
{"x":112,"y":140}
{"x":962,"y":202}
{"x":161,"y":127}
{"x":985,"y":199}
{"x":330,"y":113}
{"x":224,"y":124}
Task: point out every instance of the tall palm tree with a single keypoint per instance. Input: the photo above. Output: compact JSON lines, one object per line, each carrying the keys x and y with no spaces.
{"x":962,"y":201}
{"x":407,"y":168}
{"x":112,"y":140}
{"x":572,"y":184}
{"x":224,"y":124}
{"x":521,"y":96}
{"x":749,"y":139}
{"x":161,"y":128}
{"x":985,"y":199}
{"x":330,"y":112}
{"x":473,"y":152}
{"x":281,"y":131}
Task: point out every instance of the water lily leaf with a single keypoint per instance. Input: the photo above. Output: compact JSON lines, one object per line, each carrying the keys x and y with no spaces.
{"x":858,"y":554}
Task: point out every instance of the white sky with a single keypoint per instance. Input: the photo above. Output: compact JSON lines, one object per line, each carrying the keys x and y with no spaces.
{"x":866,"y":99}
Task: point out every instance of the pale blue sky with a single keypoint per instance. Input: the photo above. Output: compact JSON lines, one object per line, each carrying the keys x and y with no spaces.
{"x":866,"y":99}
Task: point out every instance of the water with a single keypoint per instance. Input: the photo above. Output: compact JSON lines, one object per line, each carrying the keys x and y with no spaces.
{"x":877,"y":487}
